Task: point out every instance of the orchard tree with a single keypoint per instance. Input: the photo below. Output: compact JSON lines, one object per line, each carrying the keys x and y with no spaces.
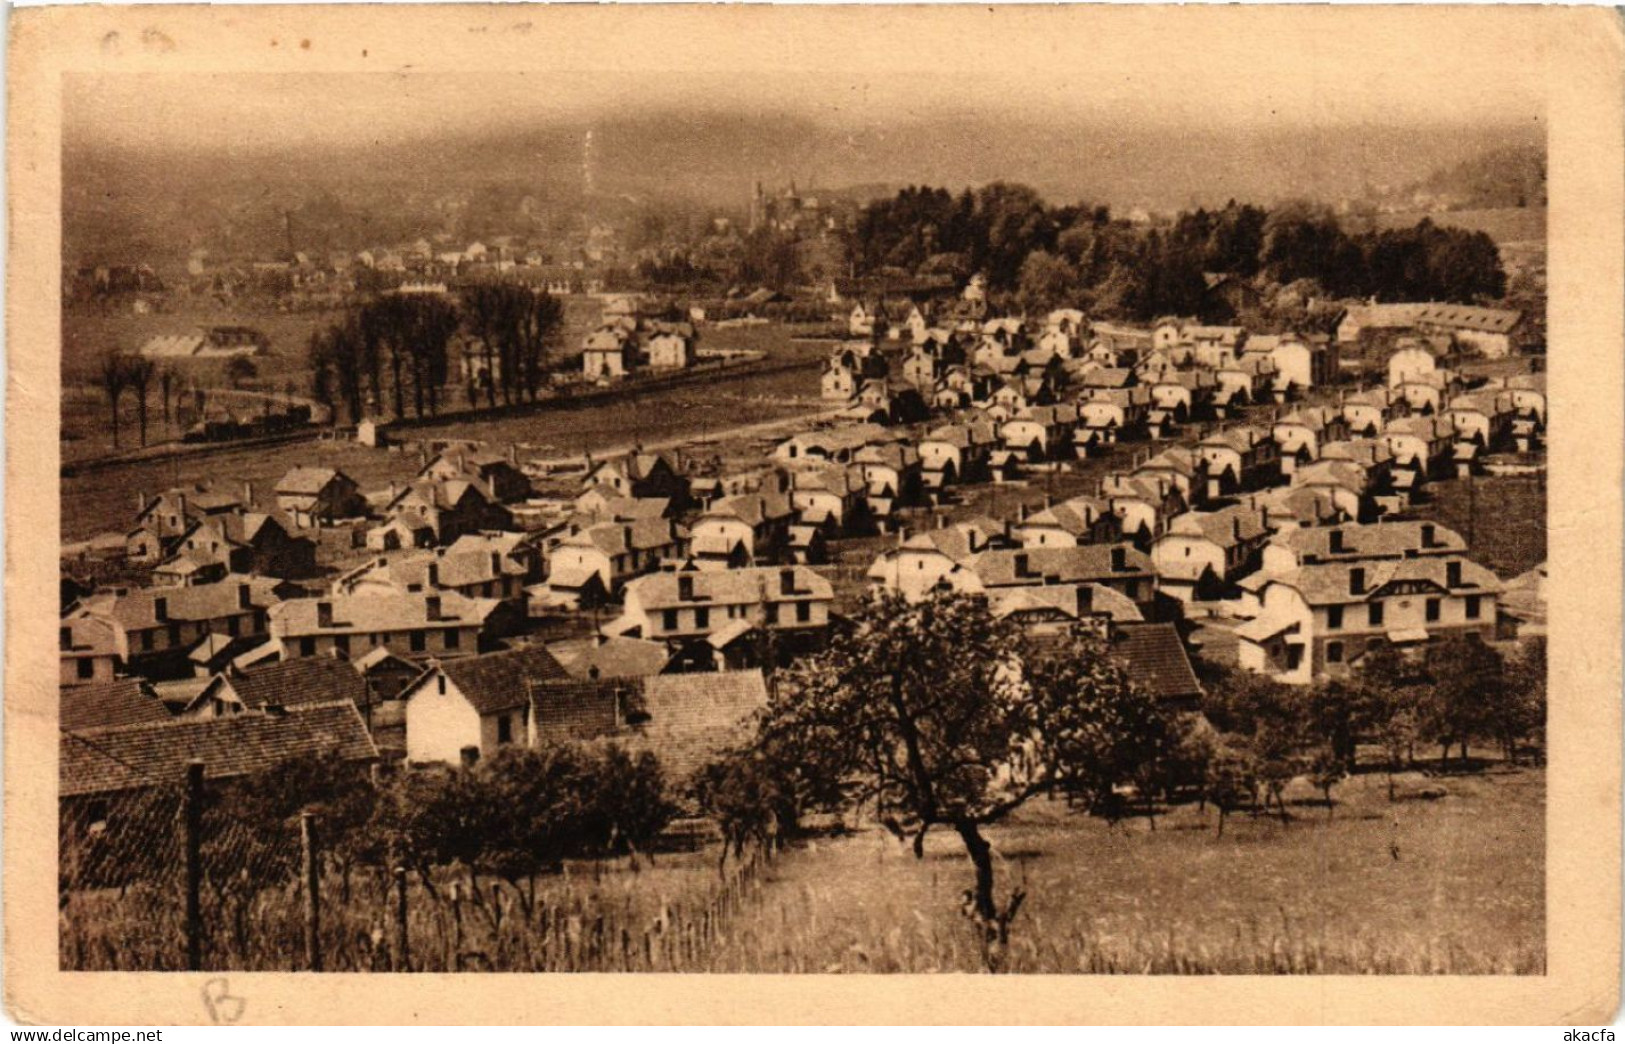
{"x":630,"y":802}
{"x":1469,"y":686}
{"x":943,"y":716}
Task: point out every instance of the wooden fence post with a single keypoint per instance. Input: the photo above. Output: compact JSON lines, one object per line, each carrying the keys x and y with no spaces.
{"x":192,"y":828}
{"x":403,"y":951}
{"x":313,"y":899}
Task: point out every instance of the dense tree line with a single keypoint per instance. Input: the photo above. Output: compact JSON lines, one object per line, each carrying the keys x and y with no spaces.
{"x":1044,"y":256}
{"x":515,"y":816}
{"x":394,"y":349}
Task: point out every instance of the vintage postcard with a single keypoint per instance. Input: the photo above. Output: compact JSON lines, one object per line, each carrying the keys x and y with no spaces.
{"x":1117,"y":505}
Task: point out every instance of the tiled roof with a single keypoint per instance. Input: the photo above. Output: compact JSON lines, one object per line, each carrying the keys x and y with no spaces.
{"x":729,"y":587}
{"x":104,"y":760}
{"x":1226,"y":527}
{"x":502,"y":680}
{"x":306,"y":481}
{"x":1062,"y":565}
{"x":138,"y":609}
{"x":1074,"y":600}
{"x":619,"y":658}
{"x":569,"y":710}
{"x":128,"y":701}
{"x":1156,"y":660}
{"x":1328,"y":583}
{"x":313,"y":679}
{"x":694,"y":717}
{"x":1383,"y":540}
{"x":379,"y":611}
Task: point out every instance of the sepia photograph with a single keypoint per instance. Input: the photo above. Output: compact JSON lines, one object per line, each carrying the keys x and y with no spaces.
{"x":1077,"y":507}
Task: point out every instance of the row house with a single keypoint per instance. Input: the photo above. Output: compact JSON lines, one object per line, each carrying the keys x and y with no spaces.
{"x":472,"y":574}
{"x":1239,"y":459}
{"x":1291,"y":549}
{"x":593,"y":565}
{"x":412,"y":625}
{"x":316,"y":496}
{"x":955,"y":453}
{"x":1299,"y":434}
{"x":726,"y":611}
{"x":1203,"y":553}
{"x":149,"y":631}
{"x":521,"y":551}
{"x":747,"y":529}
{"x":1079,"y":520}
{"x":1213,"y":347}
{"x":1107,"y":416}
{"x":1123,"y":568}
{"x":1320,"y":620}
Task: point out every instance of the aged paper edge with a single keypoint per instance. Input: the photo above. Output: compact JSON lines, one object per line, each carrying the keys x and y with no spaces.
{"x":1582,"y":54}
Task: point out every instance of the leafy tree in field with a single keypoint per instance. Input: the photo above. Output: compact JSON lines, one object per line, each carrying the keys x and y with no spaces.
{"x":1469,"y":685}
{"x":1522,"y":716}
{"x":1326,"y":770}
{"x":1232,"y":778}
{"x":630,"y":803}
{"x":749,"y":796}
{"x":944,"y":717}
{"x":538,"y":811}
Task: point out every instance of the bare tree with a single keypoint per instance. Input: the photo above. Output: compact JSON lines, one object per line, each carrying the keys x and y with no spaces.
{"x":141,"y":373}
{"x":115,"y":377}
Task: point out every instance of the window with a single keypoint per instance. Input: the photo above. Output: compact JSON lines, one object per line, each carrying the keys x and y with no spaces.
{"x":1334,"y":652}
{"x":772,"y":612}
{"x":341,"y":643}
{"x":668,"y":619}
{"x":146,"y":641}
{"x":702,"y":618}
{"x":416,"y":641}
{"x":1334,"y":617}
{"x":803,"y":612}
{"x":233,"y":624}
{"x":1433,"y":610}
{"x":1474,"y":606}
{"x":87,"y":667}
{"x":174,"y":634}
{"x":1376,"y":614}
{"x":505,"y":729}
{"x":453,"y":638}
{"x":307,"y":647}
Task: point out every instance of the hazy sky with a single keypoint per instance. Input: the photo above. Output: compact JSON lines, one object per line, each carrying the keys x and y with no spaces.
{"x":1202,"y":67}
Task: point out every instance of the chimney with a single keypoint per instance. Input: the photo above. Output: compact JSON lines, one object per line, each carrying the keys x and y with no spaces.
{"x":942,"y":521}
{"x":1452,"y":574}
{"x":787,"y":581}
{"x":1336,"y":536}
{"x":324,"y":614}
{"x":1119,"y":559}
{"x":1357,"y":581}
{"x":140,"y":502}
{"x":685,"y":588}
{"x":245,"y":597}
{"x":1022,"y":564}
{"x":1427,"y":534}
{"x":248,"y":494}
{"x":1264,"y":516}
{"x":160,"y":609}
{"x":180,"y":506}
{"x":513,"y":453}
{"x":431,"y":607}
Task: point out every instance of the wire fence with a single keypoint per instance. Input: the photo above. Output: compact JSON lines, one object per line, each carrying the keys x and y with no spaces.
{"x":163,"y":876}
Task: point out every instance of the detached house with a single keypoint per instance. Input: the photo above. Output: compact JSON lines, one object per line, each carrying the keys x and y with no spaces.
{"x":956,"y":453}
{"x":312,"y":496}
{"x":441,"y":511}
{"x":1369,"y":412}
{"x":1080,"y":520}
{"x":497,"y":475}
{"x":594,"y":564}
{"x":1107,"y":416}
{"x":1293,"y":548}
{"x":641,"y":475}
{"x":935,"y":559}
{"x":1300,"y":434}
{"x":748,"y":529}
{"x":477,"y":704}
{"x":161,"y":522}
{"x":1240,"y":458}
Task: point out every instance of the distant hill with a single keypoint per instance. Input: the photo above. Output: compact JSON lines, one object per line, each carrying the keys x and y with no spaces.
{"x":1514,"y":176}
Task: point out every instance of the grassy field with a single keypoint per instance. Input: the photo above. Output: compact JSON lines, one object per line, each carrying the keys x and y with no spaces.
{"x":1503,"y":518}
{"x":1448,"y":886}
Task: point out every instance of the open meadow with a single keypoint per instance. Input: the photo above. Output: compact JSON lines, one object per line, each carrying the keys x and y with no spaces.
{"x":1448,"y":885}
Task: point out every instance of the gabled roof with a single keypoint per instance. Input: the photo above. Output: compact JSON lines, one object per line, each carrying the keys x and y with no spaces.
{"x":379,"y":612}
{"x":617,"y":538}
{"x":498,"y":681}
{"x":657,"y":591}
{"x":306,"y":481}
{"x":1061,"y":565}
{"x":1156,"y":660}
{"x":130,"y":757}
{"x":618,"y":657}
{"x":127,"y":701}
{"x":138,"y":609}
{"x":1227,"y":527}
{"x":1382,"y":540}
{"x":313,"y":679}
{"x":693,"y":717}
{"x":1328,"y":583}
